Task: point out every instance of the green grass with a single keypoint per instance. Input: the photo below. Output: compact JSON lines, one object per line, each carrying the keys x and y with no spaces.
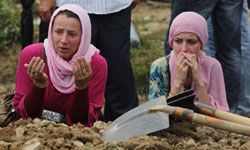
{"x":152,"y":48}
{"x":152,"y":42}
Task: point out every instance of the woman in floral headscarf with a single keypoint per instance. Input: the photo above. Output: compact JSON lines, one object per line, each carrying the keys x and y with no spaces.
{"x":71,"y":81}
{"x":187,"y":66}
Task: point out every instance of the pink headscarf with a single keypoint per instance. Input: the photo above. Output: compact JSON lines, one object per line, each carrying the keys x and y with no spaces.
{"x":60,"y":70}
{"x":195,"y":23}
{"x":189,"y":22}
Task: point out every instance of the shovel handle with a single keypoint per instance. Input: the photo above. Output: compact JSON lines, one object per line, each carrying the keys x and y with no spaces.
{"x":189,"y":115}
{"x":218,"y":113}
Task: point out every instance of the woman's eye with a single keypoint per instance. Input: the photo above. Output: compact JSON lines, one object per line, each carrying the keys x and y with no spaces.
{"x":72,"y":34}
{"x":178,"y":41}
{"x":58,"y":31}
{"x":192,"y":42}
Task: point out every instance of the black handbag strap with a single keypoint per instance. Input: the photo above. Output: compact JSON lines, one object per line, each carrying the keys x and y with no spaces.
{"x":43,"y":53}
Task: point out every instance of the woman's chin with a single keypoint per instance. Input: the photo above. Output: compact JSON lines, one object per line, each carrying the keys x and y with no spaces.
{"x":65,"y":57}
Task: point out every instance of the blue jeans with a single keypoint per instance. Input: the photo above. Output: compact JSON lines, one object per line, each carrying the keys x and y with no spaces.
{"x":226,"y":18}
{"x":244,"y":97}
{"x":244,"y":103}
{"x":209,"y":48}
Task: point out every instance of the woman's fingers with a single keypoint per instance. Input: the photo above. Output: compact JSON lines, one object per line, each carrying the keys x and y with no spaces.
{"x":29,"y":66}
{"x":37,"y":64}
{"x":79,"y":69}
{"x":180,"y":59}
{"x":188,"y":63}
{"x":35,"y":68}
{"x":82,"y":67}
{"x":191,"y":58}
{"x":181,"y":68}
{"x":41,"y":67}
{"x":82,"y":72}
{"x":192,"y":62}
{"x":87,"y":67}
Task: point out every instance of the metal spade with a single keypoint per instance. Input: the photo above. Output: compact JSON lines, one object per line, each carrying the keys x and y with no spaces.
{"x":139,"y":122}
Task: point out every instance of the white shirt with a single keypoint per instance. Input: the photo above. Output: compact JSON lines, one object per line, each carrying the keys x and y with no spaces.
{"x":98,"y":6}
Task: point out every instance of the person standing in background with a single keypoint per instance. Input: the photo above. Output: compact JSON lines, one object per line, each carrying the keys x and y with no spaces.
{"x":244,"y":103}
{"x":27,"y":29}
{"x":45,"y":9}
{"x":244,"y":98}
{"x":26,"y":23}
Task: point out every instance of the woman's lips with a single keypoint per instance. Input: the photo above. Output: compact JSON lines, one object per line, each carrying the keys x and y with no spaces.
{"x":63,"y":50}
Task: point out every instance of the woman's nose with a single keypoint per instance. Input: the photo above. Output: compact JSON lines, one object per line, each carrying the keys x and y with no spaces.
{"x":64,"y":38}
{"x":184,"y":47}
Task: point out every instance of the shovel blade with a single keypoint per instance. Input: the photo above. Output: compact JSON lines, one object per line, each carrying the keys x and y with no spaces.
{"x":140,"y":122}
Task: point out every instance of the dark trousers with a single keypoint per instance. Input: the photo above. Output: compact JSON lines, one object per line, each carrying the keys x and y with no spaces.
{"x":27,"y":29}
{"x":226,"y":19}
{"x":26,"y":23}
{"x":43,"y":30}
{"x":111,"y":34}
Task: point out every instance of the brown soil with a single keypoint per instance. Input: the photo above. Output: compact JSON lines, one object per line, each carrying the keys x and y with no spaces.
{"x":44,"y":135}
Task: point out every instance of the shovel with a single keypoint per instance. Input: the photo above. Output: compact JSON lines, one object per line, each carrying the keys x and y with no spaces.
{"x":138,"y":121}
{"x":213,"y":112}
{"x":190,"y":115}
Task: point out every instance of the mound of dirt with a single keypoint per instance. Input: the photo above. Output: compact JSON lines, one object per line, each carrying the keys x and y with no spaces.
{"x":45,"y":135}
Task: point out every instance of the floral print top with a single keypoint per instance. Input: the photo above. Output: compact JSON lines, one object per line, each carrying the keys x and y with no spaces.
{"x":159,"y":82}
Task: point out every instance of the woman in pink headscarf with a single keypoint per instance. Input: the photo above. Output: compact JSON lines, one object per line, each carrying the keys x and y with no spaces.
{"x":71,"y":80}
{"x":187,"y":66}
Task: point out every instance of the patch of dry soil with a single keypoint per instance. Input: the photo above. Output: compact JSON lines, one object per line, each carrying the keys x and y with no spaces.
{"x":45,"y":135}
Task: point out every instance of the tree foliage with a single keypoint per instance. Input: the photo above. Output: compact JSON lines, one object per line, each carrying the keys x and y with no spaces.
{"x":9,"y":23}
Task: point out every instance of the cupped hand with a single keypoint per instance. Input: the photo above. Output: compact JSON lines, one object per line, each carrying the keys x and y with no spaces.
{"x":35,"y":69}
{"x":82,"y":73}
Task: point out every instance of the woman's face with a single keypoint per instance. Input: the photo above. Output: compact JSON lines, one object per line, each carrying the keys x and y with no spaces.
{"x":66,"y":36}
{"x":186,"y":42}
